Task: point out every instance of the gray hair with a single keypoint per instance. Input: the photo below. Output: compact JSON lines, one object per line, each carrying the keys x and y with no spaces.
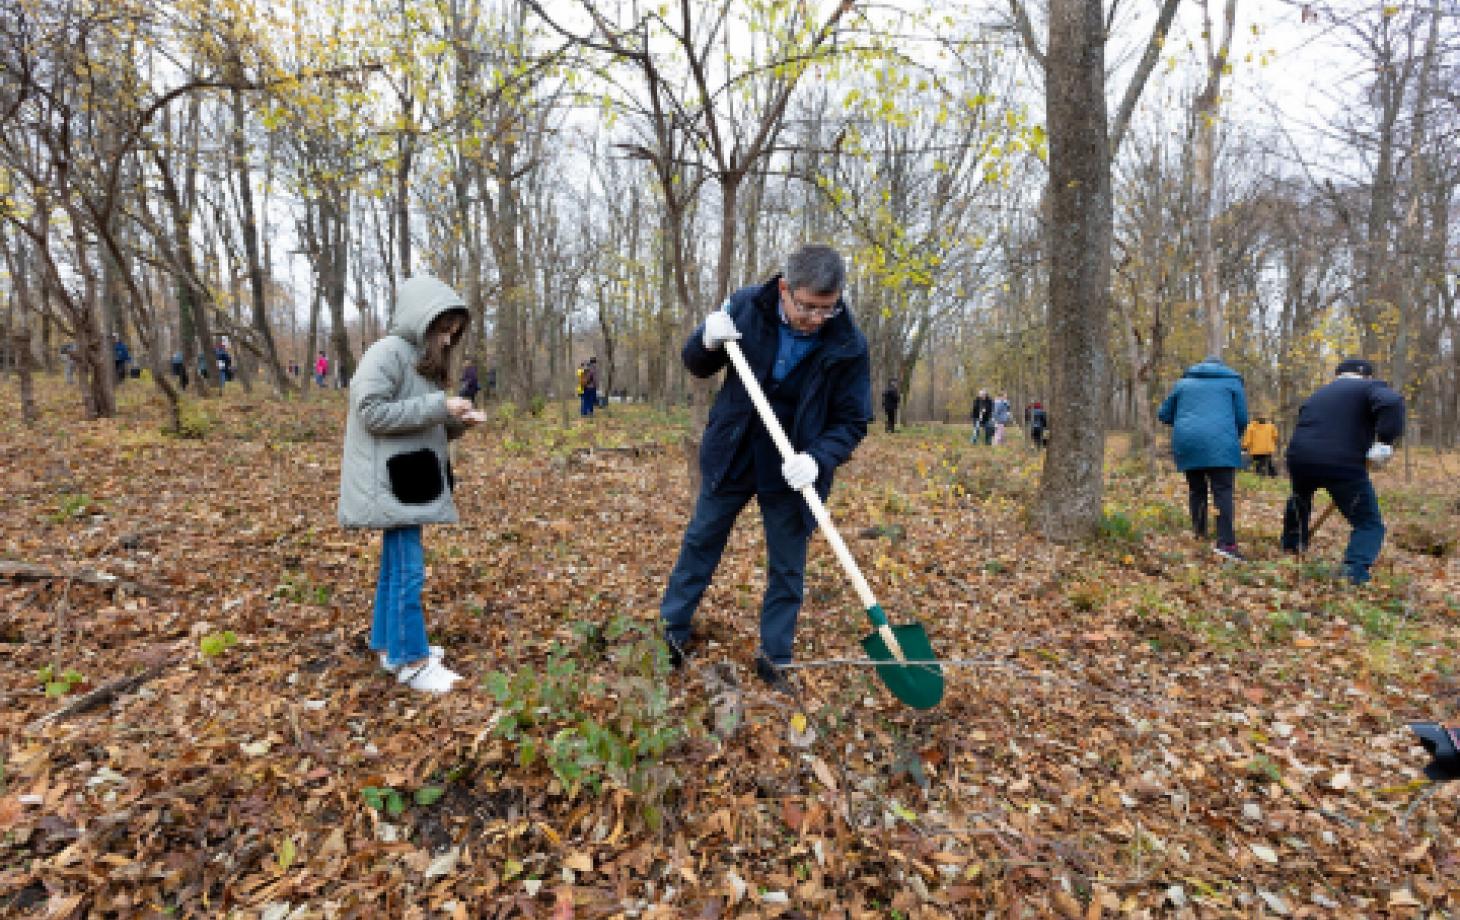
{"x":818,"y":268}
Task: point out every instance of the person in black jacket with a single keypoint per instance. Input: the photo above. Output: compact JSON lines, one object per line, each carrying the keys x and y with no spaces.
{"x":811,"y":360}
{"x":1037,"y":418}
{"x":1346,"y":426}
{"x":890,"y":400}
{"x":982,"y":415}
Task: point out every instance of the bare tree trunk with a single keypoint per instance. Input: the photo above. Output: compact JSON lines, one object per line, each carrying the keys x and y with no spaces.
{"x":101,"y":381}
{"x":1079,"y":232}
{"x":316,"y":304}
{"x":335,"y":235}
{"x":1206,"y":114}
{"x":1414,"y":296}
{"x":513,"y":367}
{"x":405,"y":153}
{"x":21,"y":315}
{"x":1143,"y":445}
{"x":20,"y":337}
{"x":254,"y":266}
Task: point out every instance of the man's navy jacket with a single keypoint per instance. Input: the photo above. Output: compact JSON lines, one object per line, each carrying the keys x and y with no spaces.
{"x":1338,"y":424}
{"x":836,"y":397}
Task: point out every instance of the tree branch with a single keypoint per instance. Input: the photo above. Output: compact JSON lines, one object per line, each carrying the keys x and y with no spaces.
{"x":1143,"y":71}
{"x":1026,"y":31}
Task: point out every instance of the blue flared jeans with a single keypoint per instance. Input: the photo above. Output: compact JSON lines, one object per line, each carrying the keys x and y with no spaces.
{"x":399,"y":626}
{"x":786,"y":536}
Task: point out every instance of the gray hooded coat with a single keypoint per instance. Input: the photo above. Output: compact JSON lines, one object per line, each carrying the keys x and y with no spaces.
{"x":395,"y":471}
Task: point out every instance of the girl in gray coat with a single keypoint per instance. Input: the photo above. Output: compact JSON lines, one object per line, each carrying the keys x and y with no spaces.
{"x":395,"y":474}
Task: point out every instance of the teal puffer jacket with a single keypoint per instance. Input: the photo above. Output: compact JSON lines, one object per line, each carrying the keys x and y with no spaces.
{"x":395,"y":471}
{"x":1207,"y":409}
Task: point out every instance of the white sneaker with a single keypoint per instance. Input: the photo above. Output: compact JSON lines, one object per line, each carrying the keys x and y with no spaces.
{"x":431,"y":677}
{"x":434,"y":652}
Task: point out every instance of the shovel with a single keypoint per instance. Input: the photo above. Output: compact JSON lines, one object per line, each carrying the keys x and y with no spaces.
{"x":920,"y":684}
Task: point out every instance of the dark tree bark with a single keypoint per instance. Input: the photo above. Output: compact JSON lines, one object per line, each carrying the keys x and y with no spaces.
{"x":249,"y":225}
{"x":1079,"y":233}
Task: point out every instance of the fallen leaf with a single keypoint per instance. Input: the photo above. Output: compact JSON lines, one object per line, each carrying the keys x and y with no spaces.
{"x":823,"y":773}
{"x":444,"y":864}
{"x":578,"y":861}
{"x":1418,"y":853}
{"x":1403,"y":897}
{"x":738,"y":888}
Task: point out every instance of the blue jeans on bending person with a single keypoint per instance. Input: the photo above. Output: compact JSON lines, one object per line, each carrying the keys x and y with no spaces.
{"x":399,"y":626}
{"x":786,"y":537}
{"x":1353,"y":494}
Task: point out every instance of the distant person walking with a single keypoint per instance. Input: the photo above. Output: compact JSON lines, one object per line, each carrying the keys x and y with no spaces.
{"x":891,"y":399}
{"x":395,"y":474}
{"x":589,"y":379}
{"x":1003,"y":415}
{"x":121,"y":355}
{"x":982,"y":416}
{"x":180,"y":369}
{"x":470,"y":387}
{"x":321,"y":369}
{"x":68,"y":361}
{"x":225,"y":363}
{"x":1346,"y":426}
{"x":1260,"y":441}
{"x":1207,"y":410}
{"x":1037,"y":418}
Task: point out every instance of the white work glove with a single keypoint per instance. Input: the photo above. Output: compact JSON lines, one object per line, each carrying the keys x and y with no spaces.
{"x":719,"y":328}
{"x":800,"y":471}
{"x":1379,"y":454}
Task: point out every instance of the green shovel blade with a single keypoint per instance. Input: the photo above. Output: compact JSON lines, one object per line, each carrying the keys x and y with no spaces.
{"x":918,"y":685}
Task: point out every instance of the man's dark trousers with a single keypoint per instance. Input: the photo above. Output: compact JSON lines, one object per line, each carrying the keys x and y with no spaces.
{"x":1220,"y":480}
{"x":1354,"y":495}
{"x":891,"y":413}
{"x":786,"y":537}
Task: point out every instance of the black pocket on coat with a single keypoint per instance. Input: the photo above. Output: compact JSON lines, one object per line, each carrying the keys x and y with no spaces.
{"x":415,"y":477}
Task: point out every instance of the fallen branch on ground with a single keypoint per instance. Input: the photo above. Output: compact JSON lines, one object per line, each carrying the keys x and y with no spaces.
{"x":155,"y":664}
{"x":26,"y":571}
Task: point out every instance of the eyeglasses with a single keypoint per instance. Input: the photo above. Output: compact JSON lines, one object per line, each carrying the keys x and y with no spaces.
{"x":816,"y":309}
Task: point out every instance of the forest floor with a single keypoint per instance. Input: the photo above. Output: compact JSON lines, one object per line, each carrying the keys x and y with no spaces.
{"x":1131,"y":725}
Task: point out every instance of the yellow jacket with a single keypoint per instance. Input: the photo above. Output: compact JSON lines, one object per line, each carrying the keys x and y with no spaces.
{"x":1260,"y":439}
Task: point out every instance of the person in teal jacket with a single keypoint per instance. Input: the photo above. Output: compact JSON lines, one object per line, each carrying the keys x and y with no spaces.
{"x":1207,"y":411}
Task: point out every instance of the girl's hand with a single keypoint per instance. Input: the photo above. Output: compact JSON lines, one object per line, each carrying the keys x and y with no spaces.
{"x":458,"y":407}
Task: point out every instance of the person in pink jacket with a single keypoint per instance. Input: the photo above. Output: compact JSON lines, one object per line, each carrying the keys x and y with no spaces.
{"x":321,"y":369}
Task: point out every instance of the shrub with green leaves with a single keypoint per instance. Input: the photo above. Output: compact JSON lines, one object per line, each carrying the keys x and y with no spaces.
{"x":72,"y":505}
{"x":296,"y":587}
{"x":194,"y":423}
{"x":215,"y":644}
{"x":556,"y":714}
{"x":392,"y":802}
{"x":1117,"y":527}
{"x":59,"y":685}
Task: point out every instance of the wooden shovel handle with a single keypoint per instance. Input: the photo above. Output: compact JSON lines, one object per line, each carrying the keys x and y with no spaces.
{"x":818,"y":508}
{"x":1327,"y":513}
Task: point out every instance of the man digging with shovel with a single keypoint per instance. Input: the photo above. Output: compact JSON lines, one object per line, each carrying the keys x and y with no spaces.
{"x":811,"y":360}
